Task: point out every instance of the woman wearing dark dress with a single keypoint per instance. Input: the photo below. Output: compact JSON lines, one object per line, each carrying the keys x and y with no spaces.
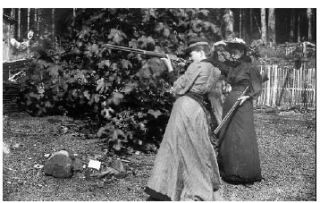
{"x":185,"y":167}
{"x":238,"y":154}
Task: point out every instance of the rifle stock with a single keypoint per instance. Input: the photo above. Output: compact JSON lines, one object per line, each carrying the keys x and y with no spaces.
{"x":227,"y":116}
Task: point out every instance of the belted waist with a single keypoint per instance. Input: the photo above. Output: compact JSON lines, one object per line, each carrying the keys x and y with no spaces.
{"x":239,"y":88}
{"x":199,"y":97}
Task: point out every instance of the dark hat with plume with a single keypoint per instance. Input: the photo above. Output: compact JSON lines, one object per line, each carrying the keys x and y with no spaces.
{"x":236,"y":43}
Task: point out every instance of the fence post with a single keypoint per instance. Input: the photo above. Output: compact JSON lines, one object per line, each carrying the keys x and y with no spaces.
{"x":314,"y":89}
{"x":288,"y":86}
{"x":293,"y":87}
{"x":268,"y":86}
{"x":275,"y":85}
{"x":259,"y":98}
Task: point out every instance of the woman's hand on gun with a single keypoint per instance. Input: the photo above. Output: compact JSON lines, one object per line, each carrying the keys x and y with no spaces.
{"x":227,"y":88}
{"x":168,"y":63}
{"x":242,"y":99}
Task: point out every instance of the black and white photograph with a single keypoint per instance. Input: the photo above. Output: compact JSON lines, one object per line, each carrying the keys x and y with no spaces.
{"x":159,"y":103}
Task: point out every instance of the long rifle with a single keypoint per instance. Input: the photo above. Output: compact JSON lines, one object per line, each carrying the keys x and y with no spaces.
{"x":144,"y":52}
{"x":230,"y":112}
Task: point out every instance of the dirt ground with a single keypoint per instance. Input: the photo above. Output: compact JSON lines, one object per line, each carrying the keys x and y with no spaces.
{"x":286,"y":143}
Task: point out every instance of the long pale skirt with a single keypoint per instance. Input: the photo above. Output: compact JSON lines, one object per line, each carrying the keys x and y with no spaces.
{"x":185,"y":167}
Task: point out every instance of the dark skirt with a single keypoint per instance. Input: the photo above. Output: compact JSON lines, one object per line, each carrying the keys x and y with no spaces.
{"x":238,"y":154}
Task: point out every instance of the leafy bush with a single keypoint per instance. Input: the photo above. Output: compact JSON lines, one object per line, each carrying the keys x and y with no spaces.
{"x":125,"y":93}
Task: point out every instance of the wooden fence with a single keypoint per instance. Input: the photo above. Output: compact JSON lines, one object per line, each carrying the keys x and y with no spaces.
{"x":288,"y":86}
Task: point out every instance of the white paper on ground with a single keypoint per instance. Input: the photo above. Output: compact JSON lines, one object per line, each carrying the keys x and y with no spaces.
{"x":94,"y":164}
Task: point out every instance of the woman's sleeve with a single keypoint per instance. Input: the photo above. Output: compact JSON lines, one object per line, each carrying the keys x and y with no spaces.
{"x":185,"y":81}
{"x":256,"y":82}
{"x":171,"y":77}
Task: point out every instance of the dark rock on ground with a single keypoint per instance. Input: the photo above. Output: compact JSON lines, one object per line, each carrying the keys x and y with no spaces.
{"x":59,"y":165}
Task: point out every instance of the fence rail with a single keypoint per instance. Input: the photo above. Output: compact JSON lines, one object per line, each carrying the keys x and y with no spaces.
{"x":288,"y":86}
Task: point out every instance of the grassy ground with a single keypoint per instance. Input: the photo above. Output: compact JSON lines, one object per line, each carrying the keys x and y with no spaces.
{"x":286,"y":144}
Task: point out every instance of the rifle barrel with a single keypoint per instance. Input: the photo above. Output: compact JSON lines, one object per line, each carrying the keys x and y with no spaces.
{"x":139,"y":51}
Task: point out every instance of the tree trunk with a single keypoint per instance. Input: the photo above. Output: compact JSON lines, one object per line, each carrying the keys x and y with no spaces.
{"x":229,"y":24}
{"x":74,"y":17}
{"x":38,"y":19}
{"x":251,"y":22}
{"x":292,"y":24}
{"x":35,"y":20}
{"x":13,"y":28}
{"x":28,"y":19}
{"x":309,"y":15}
{"x":298,"y":29}
{"x":240,"y":22}
{"x":272,"y":26}
{"x":52,"y":24}
{"x":263,"y":25}
{"x":28,"y":27}
{"x":244,"y":23}
{"x":19,"y":23}
{"x":7,"y":53}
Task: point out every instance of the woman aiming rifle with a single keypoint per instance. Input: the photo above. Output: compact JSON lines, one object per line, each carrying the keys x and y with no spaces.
{"x":186,"y":167}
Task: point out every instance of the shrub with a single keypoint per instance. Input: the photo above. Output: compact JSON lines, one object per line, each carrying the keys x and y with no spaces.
{"x":125,"y":93}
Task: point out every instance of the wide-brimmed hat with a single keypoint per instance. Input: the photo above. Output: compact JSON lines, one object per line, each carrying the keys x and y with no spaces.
{"x":236,"y":43}
{"x":194,"y":43}
{"x":220,"y":43}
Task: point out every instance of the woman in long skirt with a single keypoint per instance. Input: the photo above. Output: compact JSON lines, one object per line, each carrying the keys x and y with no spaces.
{"x":185,"y":167}
{"x":238,"y":154}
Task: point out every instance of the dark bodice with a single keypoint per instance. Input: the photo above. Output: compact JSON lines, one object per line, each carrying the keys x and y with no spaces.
{"x":244,"y":75}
